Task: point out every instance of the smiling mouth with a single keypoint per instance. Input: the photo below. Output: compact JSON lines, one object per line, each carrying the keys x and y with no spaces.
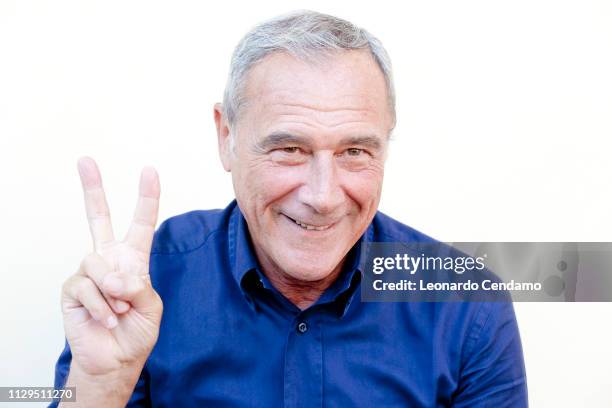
{"x":309,"y":227}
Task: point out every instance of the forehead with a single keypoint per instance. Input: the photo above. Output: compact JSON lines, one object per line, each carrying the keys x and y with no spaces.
{"x":344,"y":87}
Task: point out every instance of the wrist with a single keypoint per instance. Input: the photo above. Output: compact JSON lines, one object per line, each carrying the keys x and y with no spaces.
{"x":112,"y":389}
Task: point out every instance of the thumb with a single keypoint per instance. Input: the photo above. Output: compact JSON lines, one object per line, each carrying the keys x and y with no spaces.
{"x":136,"y":289}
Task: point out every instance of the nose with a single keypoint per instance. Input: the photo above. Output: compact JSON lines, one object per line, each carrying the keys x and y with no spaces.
{"x":322,"y":191}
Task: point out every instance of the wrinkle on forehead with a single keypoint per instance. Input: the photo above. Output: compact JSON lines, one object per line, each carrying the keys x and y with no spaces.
{"x":330,"y":117}
{"x":350,"y":83}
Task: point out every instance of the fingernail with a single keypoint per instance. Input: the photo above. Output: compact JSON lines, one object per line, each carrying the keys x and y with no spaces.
{"x":113,"y":284}
{"x":111,"y":322}
{"x":121,"y":306}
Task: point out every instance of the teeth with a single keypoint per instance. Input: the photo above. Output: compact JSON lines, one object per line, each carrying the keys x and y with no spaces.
{"x":312,"y":227}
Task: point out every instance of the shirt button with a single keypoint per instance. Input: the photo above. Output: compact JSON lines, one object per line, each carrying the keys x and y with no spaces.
{"x":302,"y":327}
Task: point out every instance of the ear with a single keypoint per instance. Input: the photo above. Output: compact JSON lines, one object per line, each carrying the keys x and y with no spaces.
{"x":223,"y":137}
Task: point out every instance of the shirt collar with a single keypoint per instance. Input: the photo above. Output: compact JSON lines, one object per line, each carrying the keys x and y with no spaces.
{"x":244,"y":261}
{"x":241,"y":252}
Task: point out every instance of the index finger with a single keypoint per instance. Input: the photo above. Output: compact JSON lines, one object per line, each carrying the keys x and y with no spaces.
{"x":140,"y":234}
{"x":98,"y":214}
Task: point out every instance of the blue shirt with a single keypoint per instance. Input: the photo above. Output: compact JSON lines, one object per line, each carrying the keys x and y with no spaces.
{"x":228,"y":338}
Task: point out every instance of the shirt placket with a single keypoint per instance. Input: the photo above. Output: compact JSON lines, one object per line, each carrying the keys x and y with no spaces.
{"x":303,"y":371}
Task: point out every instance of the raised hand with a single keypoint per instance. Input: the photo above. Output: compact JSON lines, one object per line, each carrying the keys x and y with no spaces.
{"x":111,"y":312}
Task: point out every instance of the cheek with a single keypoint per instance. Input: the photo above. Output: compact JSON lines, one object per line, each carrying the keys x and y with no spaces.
{"x":262,"y":182}
{"x":364,"y":188}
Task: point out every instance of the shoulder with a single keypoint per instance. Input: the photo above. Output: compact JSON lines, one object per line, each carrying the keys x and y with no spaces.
{"x":387,"y":229}
{"x":189,"y":231}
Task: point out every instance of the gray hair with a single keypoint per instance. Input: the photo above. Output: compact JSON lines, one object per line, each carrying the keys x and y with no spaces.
{"x":305,"y":35}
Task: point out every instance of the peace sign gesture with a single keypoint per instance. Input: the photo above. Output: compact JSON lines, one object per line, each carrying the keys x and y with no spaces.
{"x":111,"y":312}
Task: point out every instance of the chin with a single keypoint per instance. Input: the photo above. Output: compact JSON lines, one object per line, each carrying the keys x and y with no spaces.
{"x":309,"y":275}
{"x":306,"y":270}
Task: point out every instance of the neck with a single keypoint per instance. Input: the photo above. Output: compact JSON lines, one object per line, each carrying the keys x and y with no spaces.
{"x":300,"y":292}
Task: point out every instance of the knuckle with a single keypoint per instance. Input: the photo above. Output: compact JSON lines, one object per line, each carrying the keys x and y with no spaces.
{"x":136,"y":283}
{"x":70,"y":284}
{"x":84,"y":285}
{"x":138,"y":286}
{"x":67,"y":285}
{"x":88,"y":260}
{"x":96,"y":312}
{"x":91,"y":263}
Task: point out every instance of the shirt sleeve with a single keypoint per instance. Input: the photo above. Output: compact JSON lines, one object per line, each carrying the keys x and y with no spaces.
{"x":61,"y":372}
{"x":492,"y":368}
{"x":139,"y":398}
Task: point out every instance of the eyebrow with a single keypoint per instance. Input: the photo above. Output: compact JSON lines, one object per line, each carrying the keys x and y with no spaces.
{"x":277,"y":139}
{"x":372,"y":142}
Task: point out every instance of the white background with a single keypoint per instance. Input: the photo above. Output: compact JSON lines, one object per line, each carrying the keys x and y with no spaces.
{"x":504,"y":108}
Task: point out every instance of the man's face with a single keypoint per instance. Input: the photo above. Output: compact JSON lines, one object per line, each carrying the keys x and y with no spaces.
{"x":308,"y":162}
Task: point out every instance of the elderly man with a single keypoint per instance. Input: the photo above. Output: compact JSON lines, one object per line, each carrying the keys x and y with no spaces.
{"x":261,"y":300}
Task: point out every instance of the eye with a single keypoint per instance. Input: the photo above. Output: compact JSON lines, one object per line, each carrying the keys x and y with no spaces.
{"x":291,"y":149}
{"x":353,"y":151}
